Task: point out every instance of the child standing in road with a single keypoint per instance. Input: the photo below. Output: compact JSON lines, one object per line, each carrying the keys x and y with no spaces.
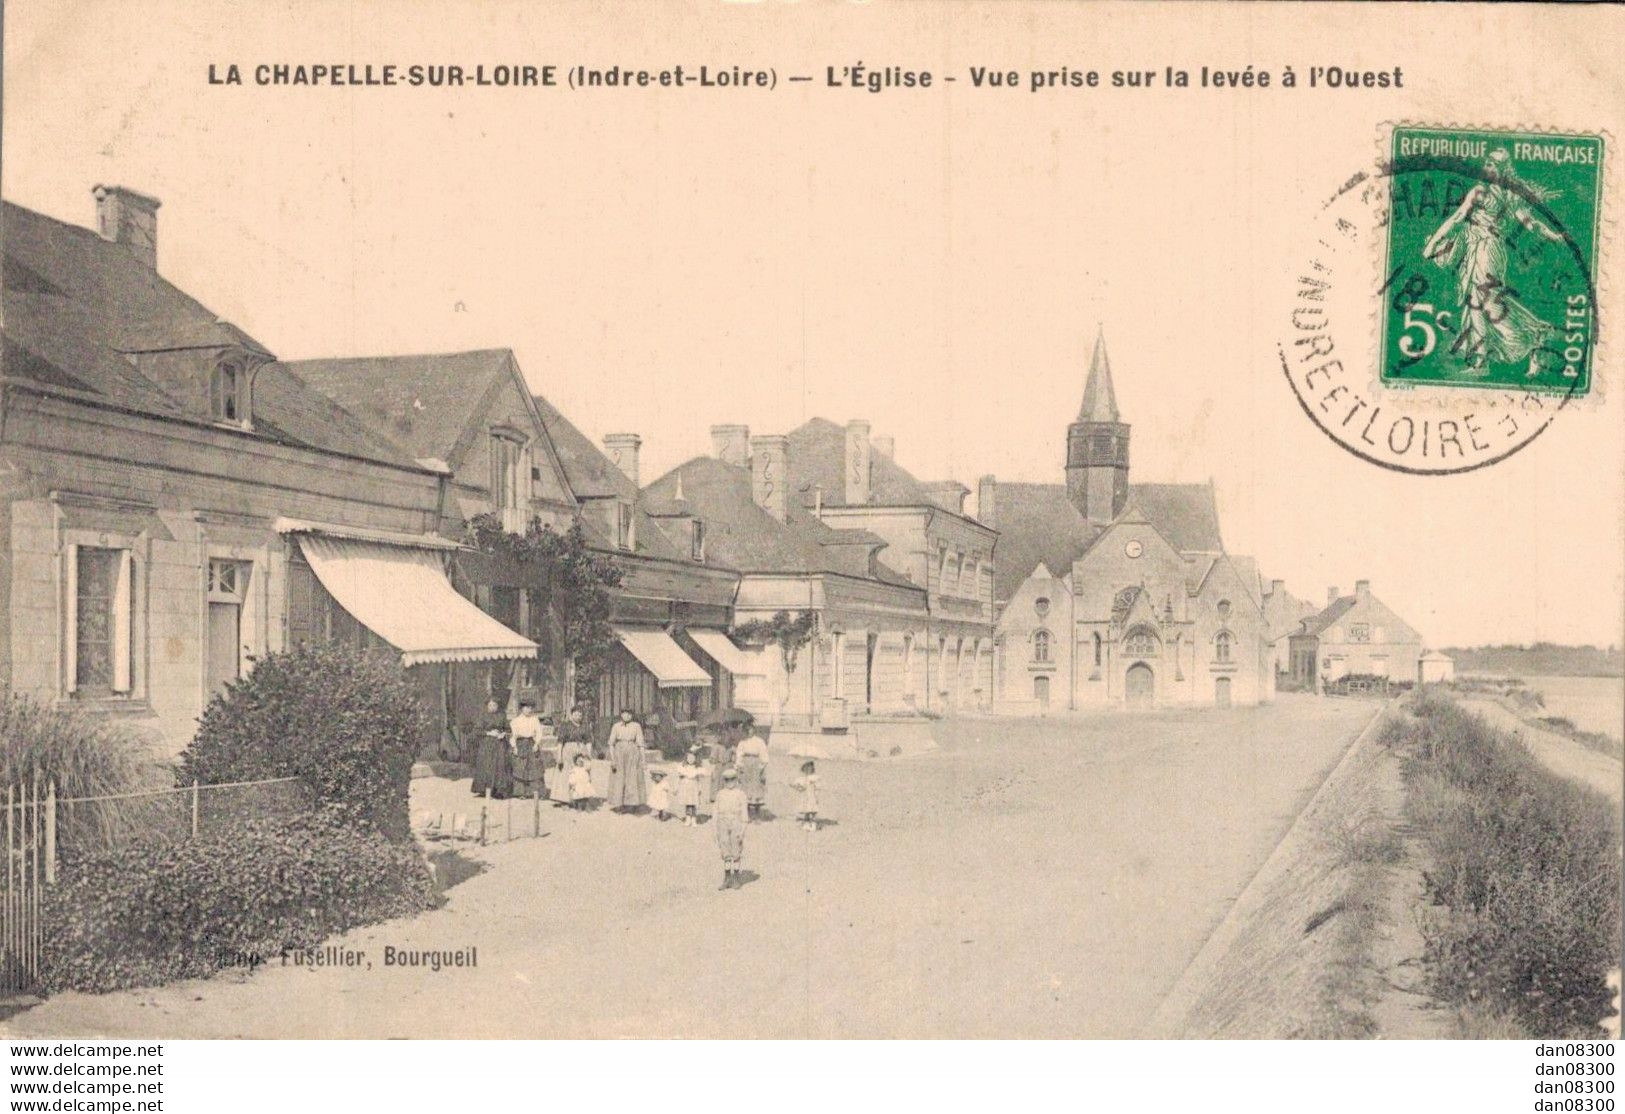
{"x":580,"y":784}
{"x":688,"y":788}
{"x":730,"y":813}
{"x":806,"y":787}
{"x":659,"y":798}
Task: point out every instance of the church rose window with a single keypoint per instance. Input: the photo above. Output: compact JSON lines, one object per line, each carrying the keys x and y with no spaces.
{"x":1223,"y":609}
{"x":1041,"y":605}
{"x":1140,"y":643}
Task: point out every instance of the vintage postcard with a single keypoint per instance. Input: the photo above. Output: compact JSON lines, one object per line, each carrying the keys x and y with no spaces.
{"x":811,"y":520}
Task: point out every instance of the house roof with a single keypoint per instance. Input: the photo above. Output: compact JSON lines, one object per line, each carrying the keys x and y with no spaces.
{"x":77,"y":309}
{"x":1038,"y":523}
{"x":424,"y":403}
{"x":744,"y":536}
{"x":818,"y":461}
{"x":1327,"y":616}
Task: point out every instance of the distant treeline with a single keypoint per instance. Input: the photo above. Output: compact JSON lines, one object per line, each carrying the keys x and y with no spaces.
{"x":1540,"y":658}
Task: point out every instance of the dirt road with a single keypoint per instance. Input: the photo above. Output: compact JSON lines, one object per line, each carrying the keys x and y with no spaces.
{"x":1040,"y":878}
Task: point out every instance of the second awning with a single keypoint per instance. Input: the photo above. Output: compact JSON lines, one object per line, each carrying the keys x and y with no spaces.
{"x":664,"y":658}
{"x":402,"y":595}
{"x":727,"y":655}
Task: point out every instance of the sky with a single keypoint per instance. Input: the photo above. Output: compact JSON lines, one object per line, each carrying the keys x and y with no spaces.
{"x":935,"y":261}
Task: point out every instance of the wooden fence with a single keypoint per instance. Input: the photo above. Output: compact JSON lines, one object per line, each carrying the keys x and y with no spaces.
{"x":30,"y":866}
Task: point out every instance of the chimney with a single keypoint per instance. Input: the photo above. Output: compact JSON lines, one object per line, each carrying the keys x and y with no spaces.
{"x":731,"y":444}
{"x":1277,"y":587}
{"x":1331,"y":595}
{"x":987,"y":505}
{"x":623,"y":448}
{"x":884,"y":444}
{"x":769,"y":474}
{"x":1362,"y":590}
{"x":857,"y":462}
{"x":947,"y":494}
{"x":129,"y":218}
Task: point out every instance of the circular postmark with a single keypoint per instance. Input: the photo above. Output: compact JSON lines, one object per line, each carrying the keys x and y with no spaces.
{"x":1447,"y":313}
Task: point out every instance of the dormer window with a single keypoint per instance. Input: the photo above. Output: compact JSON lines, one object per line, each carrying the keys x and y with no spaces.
{"x":228,"y":393}
{"x":697,"y":540}
{"x":623,"y":525}
{"x":509,"y":471}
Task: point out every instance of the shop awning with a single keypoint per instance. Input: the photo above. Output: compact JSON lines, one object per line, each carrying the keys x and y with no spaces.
{"x":663,"y":657}
{"x":401,"y":594}
{"x":727,"y":655}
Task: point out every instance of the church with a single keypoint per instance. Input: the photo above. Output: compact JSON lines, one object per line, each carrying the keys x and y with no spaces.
{"x":1119,"y":594}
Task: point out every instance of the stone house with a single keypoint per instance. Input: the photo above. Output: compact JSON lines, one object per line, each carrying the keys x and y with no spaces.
{"x":1356,"y":635}
{"x":1284,"y":614}
{"x":174,"y":503}
{"x":1113,"y":593}
{"x":867,"y":657}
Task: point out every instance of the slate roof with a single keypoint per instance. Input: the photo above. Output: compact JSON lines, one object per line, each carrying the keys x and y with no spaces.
{"x":1325,"y":618}
{"x":818,"y":460}
{"x":423,"y":403}
{"x":744,"y":536}
{"x":1038,"y":523}
{"x":76,"y":308}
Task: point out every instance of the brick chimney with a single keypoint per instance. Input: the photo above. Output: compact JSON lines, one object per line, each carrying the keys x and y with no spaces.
{"x":884,"y":444}
{"x":126,"y":217}
{"x":857,"y":462}
{"x":622,"y":448}
{"x":1362,"y":590}
{"x":769,"y":474}
{"x":987,"y":501}
{"x":731,"y":444}
{"x":1331,"y":595}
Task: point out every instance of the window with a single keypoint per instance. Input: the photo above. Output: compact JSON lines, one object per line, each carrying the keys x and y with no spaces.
{"x":697,"y":540}
{"x":1359,"y":632}
{"x":1041,"y":606}
{"x":98,"y":634}
{"x":1099,"y":644}
{"x":951,"y":584}
{"x":1223,"y":608}
{"x":623,"y":525}
{"x":968,"y":582}
{"x":1222,"y":643}
{"x":507,"y":481}
{"x":227,"y":395}
{"x":1041,"y":645}
{"x":227,"y":594}
{"x":1141,"y":643}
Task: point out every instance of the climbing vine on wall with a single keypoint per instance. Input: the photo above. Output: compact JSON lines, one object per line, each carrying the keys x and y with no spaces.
{"x":788,"y":632}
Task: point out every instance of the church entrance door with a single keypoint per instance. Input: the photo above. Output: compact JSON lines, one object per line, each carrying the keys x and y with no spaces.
{"x":1140,"y":686}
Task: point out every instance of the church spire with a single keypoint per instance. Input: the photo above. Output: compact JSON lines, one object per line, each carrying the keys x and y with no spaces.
{"x":1099,"y":400}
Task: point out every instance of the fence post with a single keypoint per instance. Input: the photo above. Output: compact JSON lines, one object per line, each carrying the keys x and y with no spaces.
{"x":11,"y":910}
{"x":507,"y":834}
{"x":482,"y":825}
{"x":536,"y":815}
{"x":194,"y":806}
{"x":50,"y":833}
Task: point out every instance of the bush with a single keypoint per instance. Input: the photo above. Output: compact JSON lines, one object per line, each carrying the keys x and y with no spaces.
{"x":149,"y":913}
{"x":345,"y":723}
{"x":86,"y":756}
{"x":1527,"y":866}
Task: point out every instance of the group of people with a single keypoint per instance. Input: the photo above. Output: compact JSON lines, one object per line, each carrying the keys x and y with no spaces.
{"x":510,"y":760}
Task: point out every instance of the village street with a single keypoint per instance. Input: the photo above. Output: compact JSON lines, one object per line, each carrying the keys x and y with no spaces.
{"x":1035,"y":878}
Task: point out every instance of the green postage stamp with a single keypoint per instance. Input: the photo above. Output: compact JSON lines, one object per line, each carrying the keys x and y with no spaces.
{"x":1490,"y":273}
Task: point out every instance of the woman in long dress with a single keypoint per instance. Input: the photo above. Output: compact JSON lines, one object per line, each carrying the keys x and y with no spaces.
{"x":626,"y":783}
{"x":751,"y":758}
{"x":493,"y":766}
{"x":719,"y":756}
{"x":1495,"y":326}
{"x":572,"y":743}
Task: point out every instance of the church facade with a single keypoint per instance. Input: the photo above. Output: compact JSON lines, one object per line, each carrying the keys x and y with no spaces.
{"x":1120,"y":594}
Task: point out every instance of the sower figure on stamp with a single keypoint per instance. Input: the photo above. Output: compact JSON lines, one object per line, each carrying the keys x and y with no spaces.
{"x":730,"y":815}
{"x":1495,"y":325}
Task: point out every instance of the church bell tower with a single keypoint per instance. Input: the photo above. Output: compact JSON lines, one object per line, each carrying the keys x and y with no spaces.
{"x":1097,"y":446}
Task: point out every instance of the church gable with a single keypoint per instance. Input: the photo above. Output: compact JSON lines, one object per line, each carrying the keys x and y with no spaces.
{"x":1129,"y":552}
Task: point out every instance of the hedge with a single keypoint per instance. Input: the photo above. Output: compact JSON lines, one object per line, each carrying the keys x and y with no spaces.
{"x":150,"y":913}
{"x":345,"y":723}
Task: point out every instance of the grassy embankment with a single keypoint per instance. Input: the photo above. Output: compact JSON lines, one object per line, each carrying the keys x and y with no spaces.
{"x":1523,"y":868}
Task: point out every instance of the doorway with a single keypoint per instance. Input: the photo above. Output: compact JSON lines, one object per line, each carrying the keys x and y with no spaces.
{"x":869,"y":647}
{"x":1041,"y":692}
{"x":1140,"y":686}
{"x":228,"y":591}
{"x":1221,"y":692}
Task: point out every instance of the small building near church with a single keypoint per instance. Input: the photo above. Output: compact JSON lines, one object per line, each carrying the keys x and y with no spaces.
{"x":1354,"y":636}
{"x":1435,"y":668}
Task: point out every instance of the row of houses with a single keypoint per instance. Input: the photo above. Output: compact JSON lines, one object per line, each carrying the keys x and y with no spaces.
{"x":175,"y":501}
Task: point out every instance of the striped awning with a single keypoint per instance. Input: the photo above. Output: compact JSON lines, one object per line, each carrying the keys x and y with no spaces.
{"x":401,"y":594}
{"x":726,"y":654}
{"x":656,"y":652}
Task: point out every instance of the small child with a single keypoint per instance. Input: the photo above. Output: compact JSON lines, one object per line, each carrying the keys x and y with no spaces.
{"x":807,"y":786}
{"x":688,"y":788}
{"x":659,"y":798}
{"x":730,"y":814}
{"x":580,"y":784}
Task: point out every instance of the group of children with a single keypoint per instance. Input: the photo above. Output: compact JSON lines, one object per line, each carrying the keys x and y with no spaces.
{"x":686,"y":803}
